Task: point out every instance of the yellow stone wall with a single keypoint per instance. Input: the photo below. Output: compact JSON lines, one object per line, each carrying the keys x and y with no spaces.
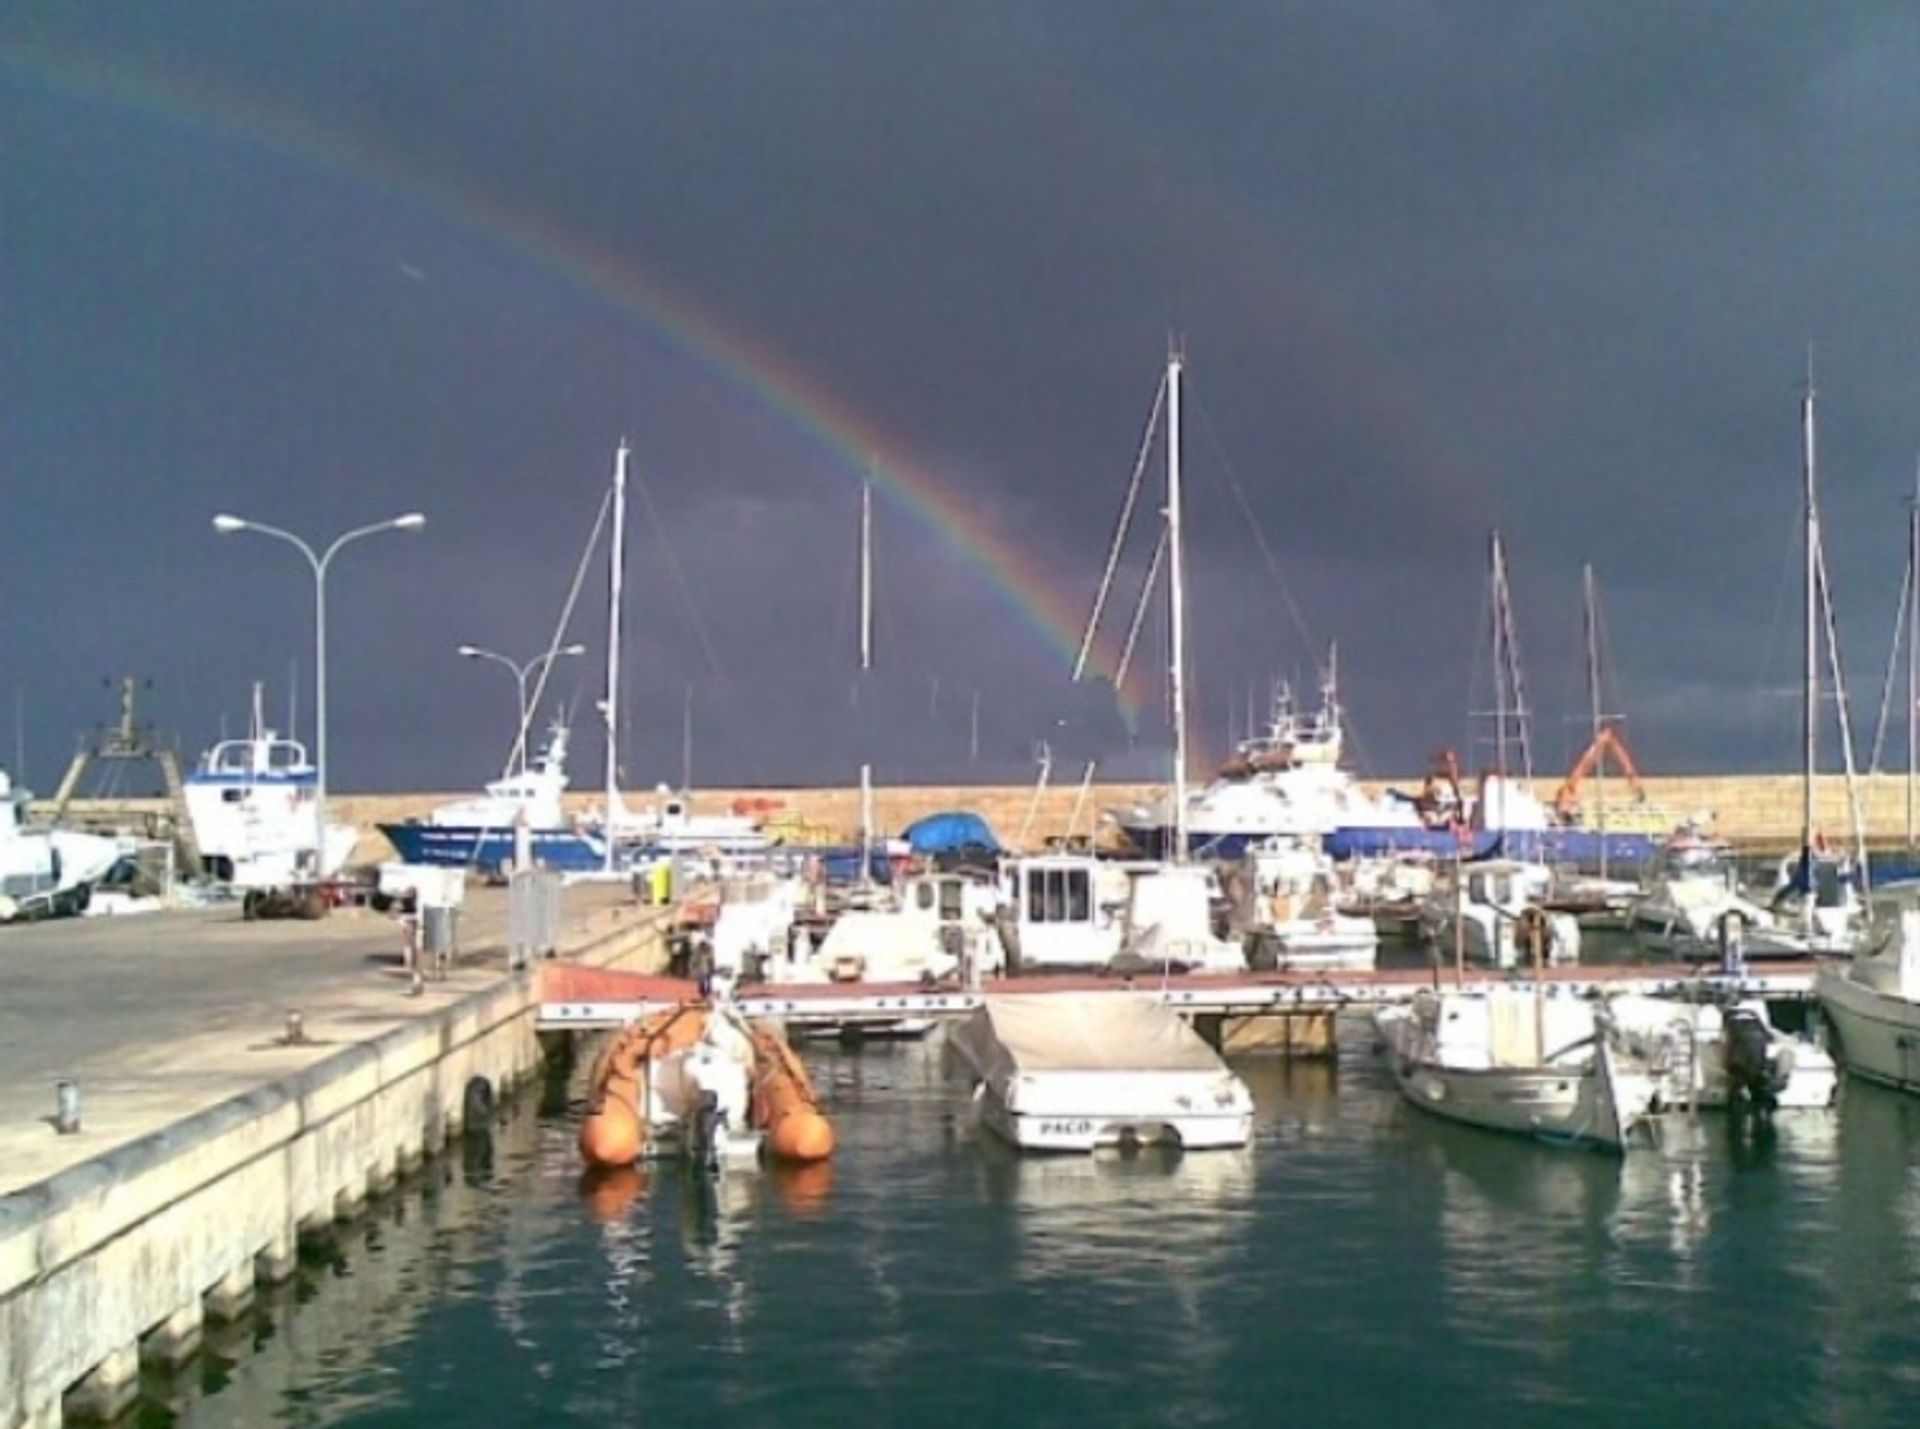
{"x":1748,"y":808}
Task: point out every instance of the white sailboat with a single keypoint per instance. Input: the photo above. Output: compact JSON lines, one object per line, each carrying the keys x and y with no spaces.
{"x":1820,"y":897}
{"x":1519,"y":1059}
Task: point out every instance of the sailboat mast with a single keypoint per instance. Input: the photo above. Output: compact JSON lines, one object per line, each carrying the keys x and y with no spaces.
{"x":616,"y":574}
{"x":1810,"y":695}
{"x":1176,"y":609}
{"x":1498,"y":558}
{"x":866,"y":664}
{"x":1913,"y":664}
{"x":1592,"y":607}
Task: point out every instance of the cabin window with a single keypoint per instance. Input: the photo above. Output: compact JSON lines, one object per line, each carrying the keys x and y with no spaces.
{"x":923,"y":895}
{"x":950,"y":904}
{"x":1078,"y":902}
{"x":232,"y":796}
{"x":1058,"y":895}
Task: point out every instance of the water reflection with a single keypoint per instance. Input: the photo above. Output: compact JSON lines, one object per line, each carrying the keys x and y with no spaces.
{"x":1356,"y":1250}
{"x":609,"y":1193}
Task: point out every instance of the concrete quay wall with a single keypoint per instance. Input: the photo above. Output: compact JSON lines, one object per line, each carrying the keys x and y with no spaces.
{"x":127,"y":1255}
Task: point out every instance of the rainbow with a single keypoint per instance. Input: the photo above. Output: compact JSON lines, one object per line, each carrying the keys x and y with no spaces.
{"x":856,"y":442}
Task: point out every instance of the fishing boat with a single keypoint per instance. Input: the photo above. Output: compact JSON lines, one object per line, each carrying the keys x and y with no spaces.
{"x":1061,"y":1073}
{"x":1519,"y":1059}
{"x":1872,"y":1005}
{"x":480,"y":833}
{"x":1713,"y":1053}
{"x":1286,"y":782}
{"x":251,"y":805}
{"x":484,"y":832}
{"x":46,"y":872}
{"x":1504,"y":816}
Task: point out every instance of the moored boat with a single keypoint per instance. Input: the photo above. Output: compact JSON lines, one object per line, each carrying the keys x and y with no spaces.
{"x":1518,"y":1059}
{"x":1873,"y":1006}
{"x":1075,"y":1073}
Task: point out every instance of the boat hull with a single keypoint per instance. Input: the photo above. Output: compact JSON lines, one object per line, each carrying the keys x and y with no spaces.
{"x":1581,"y":848}
{"x":457,"y":846}
{"x":1092,"y":1127}
{"x":1576,"y":1105}
{"x":1878,"y":1035}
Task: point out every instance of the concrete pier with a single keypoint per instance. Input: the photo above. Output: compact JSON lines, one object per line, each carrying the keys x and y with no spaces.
{"x":208,"y":1143}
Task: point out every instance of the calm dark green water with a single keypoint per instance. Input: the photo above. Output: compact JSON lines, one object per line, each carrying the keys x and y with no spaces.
{"x":1359,"y":1264}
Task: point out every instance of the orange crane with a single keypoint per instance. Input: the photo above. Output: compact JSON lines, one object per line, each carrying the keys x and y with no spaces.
{"x":1608,"y":741}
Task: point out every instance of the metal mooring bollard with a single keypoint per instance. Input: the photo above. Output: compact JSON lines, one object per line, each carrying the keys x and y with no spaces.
{"x":66,"y":1107}
{"x":296,"y":1034}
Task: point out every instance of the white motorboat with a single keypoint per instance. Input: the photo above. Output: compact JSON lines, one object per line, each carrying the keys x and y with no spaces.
{"x":1709,"y":1053}
{"x":1388,"y":889}
{"x":1873,"y":1006}
{"x":251,"y":802}
{"x":1519,"y":1059}
{"x":1287,"y":906}
{"x":1053,"y":1072}
{"x":1490,"y":910}
{"x":1818,"y":908}
{"x":1075,"y":912}
{"x":1694,"y":892}
{"x":46,"y":872}
{"x":940,"y":924}
{"x":670,"y":826}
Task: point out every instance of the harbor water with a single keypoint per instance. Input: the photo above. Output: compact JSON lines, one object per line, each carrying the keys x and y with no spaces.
{"x":1360,"y":1263}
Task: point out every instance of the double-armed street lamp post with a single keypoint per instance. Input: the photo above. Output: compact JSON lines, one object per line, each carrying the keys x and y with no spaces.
{"x":522,"y":672}
{"x":226,"y":525}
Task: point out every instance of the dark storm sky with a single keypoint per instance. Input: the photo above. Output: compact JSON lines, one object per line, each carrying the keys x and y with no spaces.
{"x":1437,"y":267}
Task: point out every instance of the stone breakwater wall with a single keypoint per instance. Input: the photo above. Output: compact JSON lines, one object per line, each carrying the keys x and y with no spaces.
{"x":128,"y":1255}
{"x":1756,"y":809}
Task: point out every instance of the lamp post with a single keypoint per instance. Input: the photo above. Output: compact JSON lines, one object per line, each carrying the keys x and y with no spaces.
{"x":521,"y":673}
{"x":226,"y":525}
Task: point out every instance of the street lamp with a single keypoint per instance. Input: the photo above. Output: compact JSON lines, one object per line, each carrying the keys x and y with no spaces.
{"x":226,"y":525}
{"x":521,"y":672}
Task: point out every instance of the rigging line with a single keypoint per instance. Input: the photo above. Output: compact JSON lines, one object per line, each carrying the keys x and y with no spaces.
{"x":1139,"y":612}
{"x":1253,"y":523}
{"x":1856,"y":814}
{"x":1893,"y":663}
{"x":684,"y":592}
{"x":1120,"y":530}
{"x":518,"y":750}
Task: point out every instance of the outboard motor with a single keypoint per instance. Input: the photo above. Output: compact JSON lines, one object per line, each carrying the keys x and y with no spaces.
{"x":1752,"y":1076}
